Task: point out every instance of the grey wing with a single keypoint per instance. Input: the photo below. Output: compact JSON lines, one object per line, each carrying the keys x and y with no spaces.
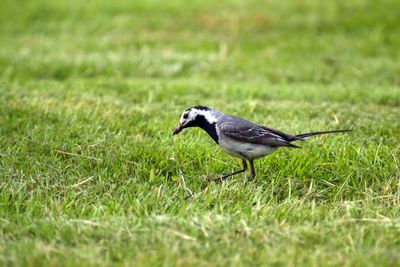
{"x":245,"y":131}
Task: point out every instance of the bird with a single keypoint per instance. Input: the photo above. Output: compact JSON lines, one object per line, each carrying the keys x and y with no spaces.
{"x":239,"y":137}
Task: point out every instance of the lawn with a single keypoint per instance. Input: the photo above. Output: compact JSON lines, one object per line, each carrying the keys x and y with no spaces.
{"x":90,"y":174}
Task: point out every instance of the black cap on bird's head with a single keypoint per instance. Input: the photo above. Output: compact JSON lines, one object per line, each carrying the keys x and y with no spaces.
{"x":190,"y":118}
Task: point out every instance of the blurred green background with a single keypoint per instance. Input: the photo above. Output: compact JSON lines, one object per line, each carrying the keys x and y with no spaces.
{"x":341,"y":42}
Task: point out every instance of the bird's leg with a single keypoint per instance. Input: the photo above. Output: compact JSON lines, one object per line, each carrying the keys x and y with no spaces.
{"x":223,"y":178}
{"x":252,"y":171}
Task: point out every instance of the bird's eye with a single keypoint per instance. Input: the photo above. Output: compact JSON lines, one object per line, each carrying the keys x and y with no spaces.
{"x":185,"y":116}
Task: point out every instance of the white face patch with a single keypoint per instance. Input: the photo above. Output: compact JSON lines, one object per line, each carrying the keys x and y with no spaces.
{"x":191,"y":115}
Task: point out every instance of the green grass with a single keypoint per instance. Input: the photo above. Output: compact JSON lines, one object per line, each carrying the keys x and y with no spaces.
{"x":91,"y":176}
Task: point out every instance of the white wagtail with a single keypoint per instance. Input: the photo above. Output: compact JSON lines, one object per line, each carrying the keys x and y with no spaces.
{"x":239,"y":137}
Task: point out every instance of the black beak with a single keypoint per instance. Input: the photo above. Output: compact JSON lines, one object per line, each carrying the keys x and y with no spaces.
{"x":177,"y":129}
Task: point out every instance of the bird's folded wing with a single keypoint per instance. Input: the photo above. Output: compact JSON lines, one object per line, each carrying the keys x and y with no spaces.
{"x":255,"y":134}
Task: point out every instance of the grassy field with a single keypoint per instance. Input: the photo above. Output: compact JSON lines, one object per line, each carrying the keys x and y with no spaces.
{"x":90,"y":93}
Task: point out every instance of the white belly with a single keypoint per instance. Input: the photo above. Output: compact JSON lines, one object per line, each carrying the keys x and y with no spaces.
{"x":245,"y":150}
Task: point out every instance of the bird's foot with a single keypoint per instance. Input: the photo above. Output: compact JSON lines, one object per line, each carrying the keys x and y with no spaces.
{"x":216,"y":180}
{"x":251,"y":178}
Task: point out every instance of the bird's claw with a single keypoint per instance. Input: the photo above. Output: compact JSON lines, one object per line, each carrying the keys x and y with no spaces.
{"x":215,"y":180}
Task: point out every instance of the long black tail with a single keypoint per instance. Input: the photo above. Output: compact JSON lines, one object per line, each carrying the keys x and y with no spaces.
{"x":306,"y":135}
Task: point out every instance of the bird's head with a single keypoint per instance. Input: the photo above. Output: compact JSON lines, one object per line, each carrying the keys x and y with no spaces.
{"x":195,"y":116}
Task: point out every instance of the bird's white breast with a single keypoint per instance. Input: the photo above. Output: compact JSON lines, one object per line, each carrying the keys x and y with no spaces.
{"x":244,"y":150}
